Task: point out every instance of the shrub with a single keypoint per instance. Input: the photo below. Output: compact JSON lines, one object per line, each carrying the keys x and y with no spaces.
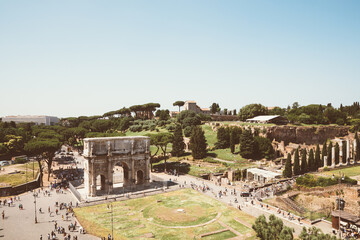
{"x":187,"y":131}
{"x":170,"y":127}
{"x":20,"y":160}
{"x":309,"y":180}
{"x":135,"y":128}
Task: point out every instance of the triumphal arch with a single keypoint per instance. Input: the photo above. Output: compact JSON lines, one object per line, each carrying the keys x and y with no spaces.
{"x":103,"y":154}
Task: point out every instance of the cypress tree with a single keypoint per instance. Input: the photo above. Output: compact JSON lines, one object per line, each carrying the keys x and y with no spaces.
{"x":304,"y":166}
{"x":287,"y":170}
{"x":312,"y":163}
{"x":329,"y":154}
{"x":337,"y":153}
{"x":357,"y":150}
{"x":317,"y":158}
{"x":223,"y":138}
{"x":198,"y":143}
{"x":323,"y":153}
{"x":344,"y":152}
{"x":247,"y":144}
{"x":178,"y":144}
{"x":296,"y":163}
{"x":232,"y":140}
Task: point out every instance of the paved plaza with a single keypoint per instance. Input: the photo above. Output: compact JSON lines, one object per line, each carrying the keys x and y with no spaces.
{"x":20,"y":224}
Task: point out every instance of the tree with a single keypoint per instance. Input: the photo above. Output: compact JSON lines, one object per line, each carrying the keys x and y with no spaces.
{"x":314,"y":233}
{"x":311,"y":161}
{"x":287,"y":170}
{"x":357,"y":149}
{"x":214,"y":108}
{"x":296,"y":169}
{"x":252,"y":110}
{"x":233,"y":136}
{"x":154,"y":142}
{"x":178,"y":144}
{"x":263,"y":148}
{"x":323,"y":153}
{"x":274,"y":229}
{"x":247,"y":144}
{"x":317,"y":157}
{"x":14,"y":144}
{"x":223,"y":138}
{"x":45,"y":150}
{"x":304,"y":166}
{"x":329,"y":154}
{"x":179,"y":104}
{"x":344,"y":158}
{"x":161,"y":140}
{"x":198,"y":143}
{"x":337,"y":153}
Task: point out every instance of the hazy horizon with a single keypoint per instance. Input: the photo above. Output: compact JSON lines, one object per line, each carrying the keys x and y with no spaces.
{"x":89,"y":57}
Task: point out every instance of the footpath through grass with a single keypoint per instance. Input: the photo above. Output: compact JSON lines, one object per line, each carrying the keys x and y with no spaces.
{"x":155,"y":216}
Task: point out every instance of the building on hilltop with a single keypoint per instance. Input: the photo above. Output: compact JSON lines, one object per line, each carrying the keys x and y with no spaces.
{"x":276,"y":119}
{"x":39,"y":120}
{"x":192,"y":106}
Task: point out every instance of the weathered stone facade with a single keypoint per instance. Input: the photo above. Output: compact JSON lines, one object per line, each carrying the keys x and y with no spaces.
{"x":307,"y":135}
{"x":103,"y":154}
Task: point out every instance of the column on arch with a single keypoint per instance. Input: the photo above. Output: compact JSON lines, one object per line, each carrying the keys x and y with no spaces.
{"x":109,"y":178}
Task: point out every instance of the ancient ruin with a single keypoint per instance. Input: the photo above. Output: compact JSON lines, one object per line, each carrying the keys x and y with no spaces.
{"x":102,"y":155}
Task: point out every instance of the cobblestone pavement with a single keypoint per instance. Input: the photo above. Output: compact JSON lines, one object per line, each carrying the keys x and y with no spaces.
{"x":20,"y":224}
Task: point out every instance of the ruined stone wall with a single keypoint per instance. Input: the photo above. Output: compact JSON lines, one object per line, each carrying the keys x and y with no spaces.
{"x":307,"y":135}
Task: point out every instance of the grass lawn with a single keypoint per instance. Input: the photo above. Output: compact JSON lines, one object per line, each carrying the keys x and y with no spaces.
{"x":17,"y":178}
{"x":28,"y":166}
{"x":20,"y":178}
{"x":155,"y":215}
{"x":348,"y":171}
{"x":221,"y":235}
{"x":210,"y":135}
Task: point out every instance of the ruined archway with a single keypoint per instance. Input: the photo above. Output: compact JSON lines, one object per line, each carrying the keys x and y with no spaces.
{"x":119,"y":161}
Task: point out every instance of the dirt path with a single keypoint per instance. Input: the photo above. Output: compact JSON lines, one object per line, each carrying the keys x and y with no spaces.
{"x":192,"y":226}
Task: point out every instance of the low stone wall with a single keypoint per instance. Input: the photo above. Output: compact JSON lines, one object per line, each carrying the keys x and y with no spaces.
{"x":224,"y":117}
{"x":75,"y":191}
{"x":15,"y":190}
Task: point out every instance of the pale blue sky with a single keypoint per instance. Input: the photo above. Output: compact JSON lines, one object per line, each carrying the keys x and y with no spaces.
{"x":71,"y":58}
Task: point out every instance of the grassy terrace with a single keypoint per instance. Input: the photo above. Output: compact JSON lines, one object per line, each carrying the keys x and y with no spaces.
{"x":198,"y":168}
{"x":350,"y":171}
{"x":156,"y":215}
{"x":24,"y":175}
{"x":16,"y":178}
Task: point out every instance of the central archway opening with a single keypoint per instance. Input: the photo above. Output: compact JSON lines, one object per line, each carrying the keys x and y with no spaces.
{"x":120,"y":177}
{"x":100,"y":182}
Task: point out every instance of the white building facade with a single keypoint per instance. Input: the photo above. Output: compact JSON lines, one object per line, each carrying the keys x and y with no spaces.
{"x":39,"y":120}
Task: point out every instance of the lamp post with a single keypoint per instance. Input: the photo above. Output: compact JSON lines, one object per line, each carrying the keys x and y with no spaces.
{"x":112,"y":221}
{"x":35,"y":207}
{"x":339,"y":201}
{"x":26,"y":176}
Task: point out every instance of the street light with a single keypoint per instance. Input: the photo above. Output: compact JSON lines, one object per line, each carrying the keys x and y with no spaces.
{"x":339,"y":201}
{"x":35,"y":207}
{"x":112,"y":221}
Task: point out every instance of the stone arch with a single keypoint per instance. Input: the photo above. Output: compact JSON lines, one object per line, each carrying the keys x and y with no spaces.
{"x":140,"y":178}
{"x":101,"y":181}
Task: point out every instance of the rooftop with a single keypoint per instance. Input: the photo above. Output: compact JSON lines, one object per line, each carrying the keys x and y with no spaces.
{"x":114,"y":138}
{"x":263,"y":118}
{"x":263,"y":172}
